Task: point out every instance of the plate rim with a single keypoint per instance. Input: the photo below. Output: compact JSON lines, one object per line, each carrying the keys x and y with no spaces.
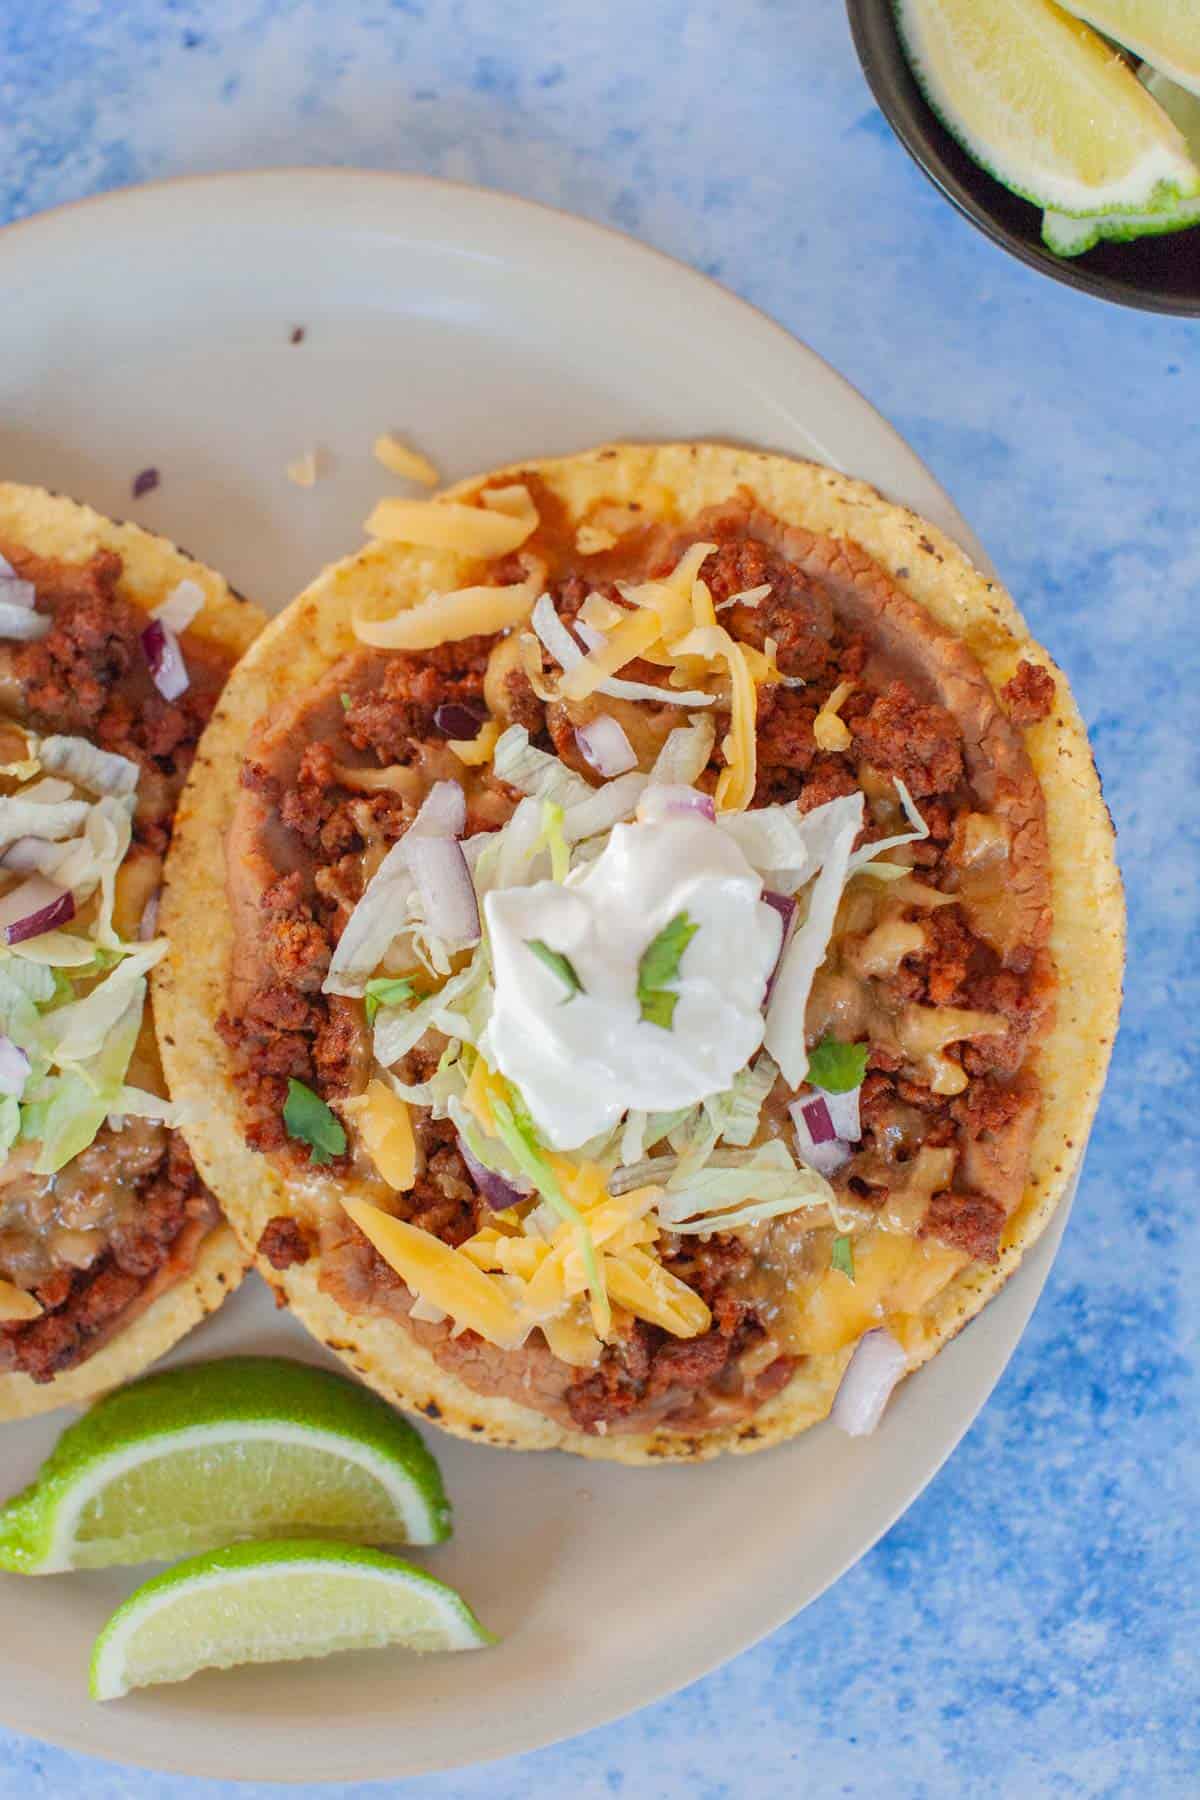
{"x":1024,"y":1288}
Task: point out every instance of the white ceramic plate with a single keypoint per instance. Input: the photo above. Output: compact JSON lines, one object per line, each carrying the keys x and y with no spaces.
{"x":153,"y":328}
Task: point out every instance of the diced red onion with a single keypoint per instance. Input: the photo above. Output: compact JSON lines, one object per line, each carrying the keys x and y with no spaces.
{"x":13,"y":590}
{"x":455,"y":719}
{"x":14,"y":1067}
{"x":604,"y":745}
{"x":664,"y":799}
{"x":816,"y":1142}
{"x":32,"y":856}
{"x":843,"y":1109}
{"x":871,"y":1374}
{"x":148,"y":923}
{"x":496,"y":1189}
{"x":181,"y":606}
{"x":443,"y":812}
{"x":36,"y":906}
{"x":17,"y":619}
{"x":444,"y":883}
{"x":145,"y":482}
{"x":816,"y":1116}
{"x":165,"y":660}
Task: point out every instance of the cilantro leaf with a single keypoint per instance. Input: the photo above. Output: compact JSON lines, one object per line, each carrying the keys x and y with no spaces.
{"x":386,"y":990}
{"x":838,"y":1068}
{"x":659,"y":965}
{"x":308,"y":1119}
{"x":658,"y":1008}
{"x":347,"y":703}
{"x":558,"y":964}
{"x":843,"y":1257}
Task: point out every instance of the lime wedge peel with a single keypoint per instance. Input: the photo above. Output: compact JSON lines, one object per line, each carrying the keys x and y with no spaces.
{"x":211,"y":1453}
{"x":1043,"y":104}
{"x":1068,"y":236}
{"x":1163,"y":32}
{"x":276,"y":1602}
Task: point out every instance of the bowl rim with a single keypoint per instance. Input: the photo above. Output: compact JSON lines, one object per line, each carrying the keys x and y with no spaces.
{"x":922,"y":146}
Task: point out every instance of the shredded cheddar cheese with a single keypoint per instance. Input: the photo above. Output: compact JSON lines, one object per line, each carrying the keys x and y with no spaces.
{"x":591,"y":540}
{"x":400,"y":460}
{"x":441,"y":1276}
{"x":449,"y":525}
{"x":385,"y":1124}
{"x":448,"y":618}
{"x":830,"y":732}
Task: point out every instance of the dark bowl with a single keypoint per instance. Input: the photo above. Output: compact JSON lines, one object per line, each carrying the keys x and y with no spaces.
{"x":1159,"y":274}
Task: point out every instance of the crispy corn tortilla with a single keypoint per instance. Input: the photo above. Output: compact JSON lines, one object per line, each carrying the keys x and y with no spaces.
{"x":63,"y":530}
{"x":674,"y":482}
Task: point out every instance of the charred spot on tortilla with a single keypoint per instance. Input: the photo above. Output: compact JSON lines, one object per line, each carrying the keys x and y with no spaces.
{"x":111,"y":1246}
{"x":605,"y":1305}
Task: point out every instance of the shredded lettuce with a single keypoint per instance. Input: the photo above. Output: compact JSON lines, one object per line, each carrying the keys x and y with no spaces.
{"x":77,"y":1031}
{"x":604,"y":807}
{"x":833,"y":829}
{"x":868,"y":853}
{"x":32,"y":980}
{"x":84,"y":763}
{"x":453,"y":1009}
{"x":767,"y":1176}
{"x":735,"y":1114}
{"x":552,"y":838}
{"x":372,"y":925}
{"x":684,"y":756}
{"x":535,"y":772}
{"x":82,"y":1098}
{"x":31,"y":818}
{"x":10,"y":1123}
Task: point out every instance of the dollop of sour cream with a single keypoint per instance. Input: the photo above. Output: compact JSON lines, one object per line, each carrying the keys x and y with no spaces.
{"x":581,"y":1060}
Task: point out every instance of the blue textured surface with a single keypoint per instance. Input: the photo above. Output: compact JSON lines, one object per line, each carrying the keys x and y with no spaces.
{"x":1030,"y":1627}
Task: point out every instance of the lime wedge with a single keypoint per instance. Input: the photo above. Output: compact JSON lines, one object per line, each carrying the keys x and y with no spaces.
{"x":250,"y":1447}
{"x":1164,"y":32}
{"x":281,"y":1602}
{"x":1045,"y":106}
{"x":1070,"y":236}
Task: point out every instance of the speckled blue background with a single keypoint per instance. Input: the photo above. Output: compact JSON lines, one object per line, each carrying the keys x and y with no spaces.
{"x":1030,"y":1627}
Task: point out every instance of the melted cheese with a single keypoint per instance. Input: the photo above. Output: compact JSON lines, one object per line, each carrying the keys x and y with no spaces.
{"x":449,"y":525}
{"x":891,"y":1274}
{"x":477,"y":750}
{"x":448,"y":618}
{"x":402,"y":461}
{"x":591,"y":540}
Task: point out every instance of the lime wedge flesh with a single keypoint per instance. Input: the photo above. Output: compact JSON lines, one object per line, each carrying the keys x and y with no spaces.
{"x":1042,"y":103}
{"x":277,"y":1602}
{"x":249,"y":1447}
{"x":1164,"y":32}
{"x":1070,"y":236}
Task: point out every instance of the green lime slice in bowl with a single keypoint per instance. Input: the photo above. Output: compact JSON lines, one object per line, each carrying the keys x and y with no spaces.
{"x":1041,"y":102}
{"x":1068,"y":235}
{"x":212,"y":1453}
{"x":276,"y":1602}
